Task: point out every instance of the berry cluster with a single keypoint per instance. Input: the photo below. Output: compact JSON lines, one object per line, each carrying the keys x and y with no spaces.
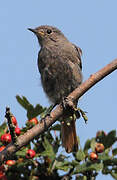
{"x":99,"y":147}
{"x":6,"y":139}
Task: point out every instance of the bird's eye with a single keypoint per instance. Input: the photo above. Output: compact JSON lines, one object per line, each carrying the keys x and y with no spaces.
{"x":49,"y":31}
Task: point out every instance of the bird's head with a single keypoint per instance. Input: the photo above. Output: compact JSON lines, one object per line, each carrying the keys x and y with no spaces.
{"x":48,"y":35}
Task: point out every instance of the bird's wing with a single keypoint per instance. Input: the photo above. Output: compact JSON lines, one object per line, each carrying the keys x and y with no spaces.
{"x":79,"y":54}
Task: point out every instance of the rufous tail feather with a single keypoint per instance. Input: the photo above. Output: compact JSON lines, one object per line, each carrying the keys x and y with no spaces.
{"x":69,"y":136}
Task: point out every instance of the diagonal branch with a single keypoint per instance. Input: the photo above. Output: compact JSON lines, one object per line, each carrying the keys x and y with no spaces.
{"x":44,"y":124}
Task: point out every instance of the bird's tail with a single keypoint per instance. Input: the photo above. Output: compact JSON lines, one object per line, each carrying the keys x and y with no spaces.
{"x":69,"y":136}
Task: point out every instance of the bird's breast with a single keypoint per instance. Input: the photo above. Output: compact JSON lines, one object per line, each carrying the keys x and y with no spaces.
{"x":57,"y":74}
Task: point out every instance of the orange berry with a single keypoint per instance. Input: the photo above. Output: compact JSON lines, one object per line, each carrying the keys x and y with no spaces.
{"x":10,"y":162}
{"x":2,"y":148}
{"x":33,"y":121}
{"x":93,"y":156}
{"x":99,"y":148}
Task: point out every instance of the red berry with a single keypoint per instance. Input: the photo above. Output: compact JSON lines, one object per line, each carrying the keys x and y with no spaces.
{"x":99,"y":148}
{"x":2,"y":148}
{"x":2,"y":168}
{"x":10,"y":162}
{"x":93,"y":156}
{"x":2,"y":176}
{"x":17,"y":131}
{"x":33,"y":121}
{"x":6,"y":138}
{"x":30,"y":153}
{"x":14,"y":121}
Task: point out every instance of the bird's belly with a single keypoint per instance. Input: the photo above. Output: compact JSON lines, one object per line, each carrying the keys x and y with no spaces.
{"x":58,"y":83}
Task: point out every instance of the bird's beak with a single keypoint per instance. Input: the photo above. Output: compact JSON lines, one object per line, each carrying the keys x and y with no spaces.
{"x":33,"y":30}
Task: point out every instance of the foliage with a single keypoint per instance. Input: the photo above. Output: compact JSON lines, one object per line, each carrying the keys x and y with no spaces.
{"x":48,"y":159}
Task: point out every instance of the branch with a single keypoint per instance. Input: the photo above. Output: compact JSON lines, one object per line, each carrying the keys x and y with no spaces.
{"x":44,"y":124}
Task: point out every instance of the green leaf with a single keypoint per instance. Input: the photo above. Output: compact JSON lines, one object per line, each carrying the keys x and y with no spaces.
{"x":34,"y":111}
{"x":75,"y":163}
{"x":114,"y":175}
{"x":114,"y":151}
{"x":88,"y":166}
{"x":80,"y":155}
{"x":2,"y":128}
{"x":78,"y":140}
{"x":22,"y":152}
{"x":23,"y":101}
{"x":101,"y":137}
{"x":83,"y":113}
{"x":93,"y":143}
{"x":65,"y":165}
{"x":61,"y":157}
{"x":39,"y":109}
{"x":104,"y":156}
{"x":87,"y":146}
{"x":31,"y":110}
{"x":46,"y":111}
{"x":81,"y":178}
{"x":48,"y":149}
{"x":110,"y":139}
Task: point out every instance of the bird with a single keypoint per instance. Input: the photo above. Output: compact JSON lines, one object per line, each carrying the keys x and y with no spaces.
{"x":60,"y":66}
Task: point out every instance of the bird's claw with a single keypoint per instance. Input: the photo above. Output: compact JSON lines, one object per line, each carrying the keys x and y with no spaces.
{"x":69,"y":106}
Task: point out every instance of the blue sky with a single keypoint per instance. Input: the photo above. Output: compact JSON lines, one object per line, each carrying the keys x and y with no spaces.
{"x":92,"y":25}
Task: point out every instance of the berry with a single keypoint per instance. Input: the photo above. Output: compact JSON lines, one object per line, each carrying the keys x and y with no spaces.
{"x":93,"y":156}
{"x":2,"y":168}
{"x":17,"y":131}
{"x":33,"y":121}
{"x":6,"y":138}
{"x":100,"y":133}
{"x":14,"y":121}
{"x":10,"y":162}
{"x":99,"y":148}
{"x":30,"y":153}
{"x":2,"y":148}
{"x":2,"y":176}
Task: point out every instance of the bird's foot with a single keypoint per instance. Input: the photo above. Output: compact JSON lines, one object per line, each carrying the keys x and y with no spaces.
{"x":70,"y":108}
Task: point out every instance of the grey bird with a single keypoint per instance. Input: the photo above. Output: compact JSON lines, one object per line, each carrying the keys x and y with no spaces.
{"x":60,"y":66}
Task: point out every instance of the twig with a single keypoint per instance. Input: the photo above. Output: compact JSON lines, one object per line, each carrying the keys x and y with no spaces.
{"x":8,"y":116}
{"x":55,"y":114}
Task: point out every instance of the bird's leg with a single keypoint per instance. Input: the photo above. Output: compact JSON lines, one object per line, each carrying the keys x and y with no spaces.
{"x":67,"y":104}
{"x":69,"y":107}
{"x":69,"y":110}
